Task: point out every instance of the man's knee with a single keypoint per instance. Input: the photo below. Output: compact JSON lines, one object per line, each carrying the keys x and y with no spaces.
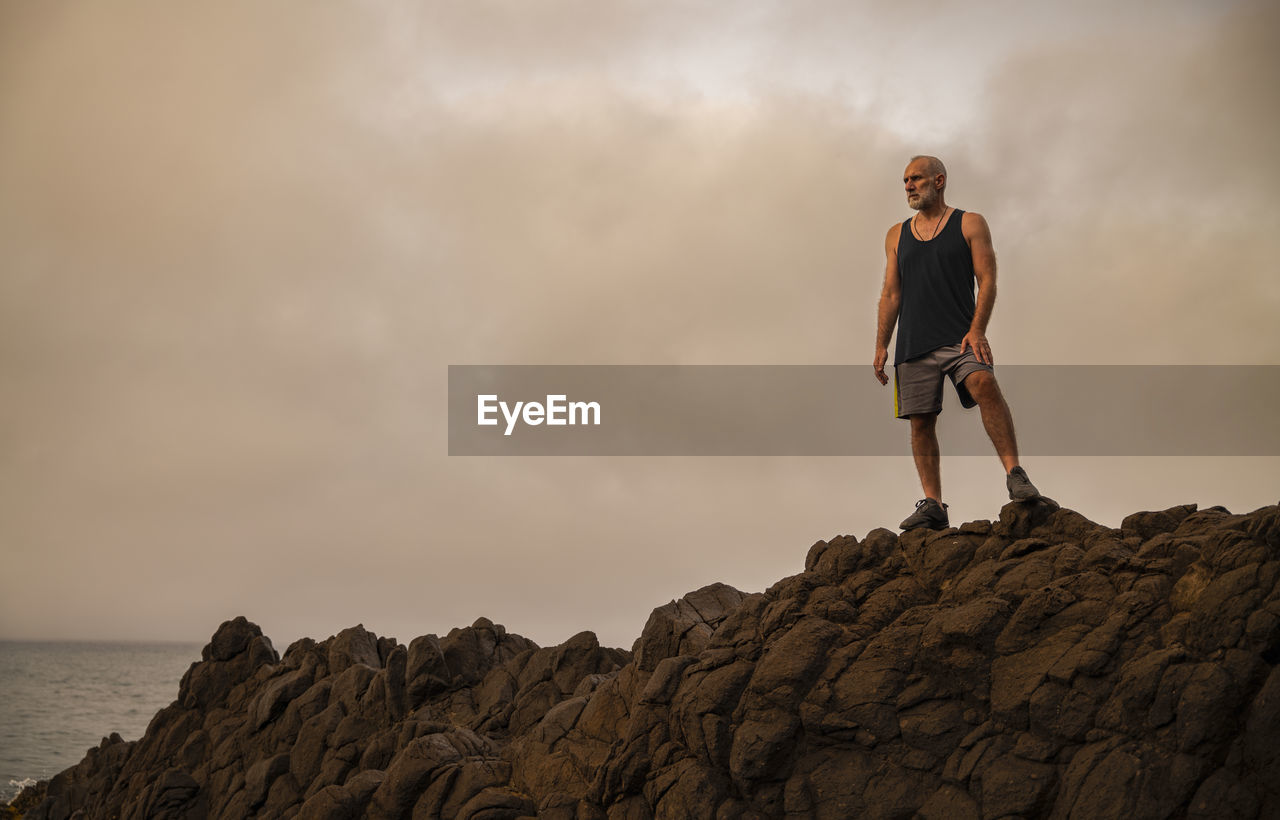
{"x":923,"y":422}
{"x":982,"y":385}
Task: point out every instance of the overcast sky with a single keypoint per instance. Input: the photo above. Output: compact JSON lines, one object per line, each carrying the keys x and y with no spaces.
{"x":240,"y":243}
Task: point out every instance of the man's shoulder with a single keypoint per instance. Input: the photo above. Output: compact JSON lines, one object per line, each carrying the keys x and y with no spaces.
{"x":895,"y":231}
{"x":972,"y":222}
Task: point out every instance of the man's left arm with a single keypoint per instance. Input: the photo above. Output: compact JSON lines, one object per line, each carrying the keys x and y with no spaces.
{"x":978,"y":234}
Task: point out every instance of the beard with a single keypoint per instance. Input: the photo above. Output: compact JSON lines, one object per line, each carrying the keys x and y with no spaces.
{"x":924,"y":200}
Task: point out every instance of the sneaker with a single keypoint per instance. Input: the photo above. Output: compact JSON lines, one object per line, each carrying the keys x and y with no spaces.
{"x":1020,"y":487}
{"x":929,"y":513}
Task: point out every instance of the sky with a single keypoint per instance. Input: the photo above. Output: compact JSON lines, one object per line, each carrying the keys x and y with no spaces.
{"x":241,"y":243}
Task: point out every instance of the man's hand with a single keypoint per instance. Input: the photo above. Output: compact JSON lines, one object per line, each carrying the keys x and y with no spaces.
{"x":978,"y":343}
{"x":882,"y":356}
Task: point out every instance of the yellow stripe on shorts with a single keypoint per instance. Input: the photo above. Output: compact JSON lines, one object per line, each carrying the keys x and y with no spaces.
{"x":895,"y":393}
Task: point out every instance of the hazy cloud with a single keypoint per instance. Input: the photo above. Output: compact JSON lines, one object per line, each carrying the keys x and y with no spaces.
{"x":242,"y":243}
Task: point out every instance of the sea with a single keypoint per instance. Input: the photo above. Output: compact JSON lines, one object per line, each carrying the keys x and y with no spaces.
{"x":58,"y":699}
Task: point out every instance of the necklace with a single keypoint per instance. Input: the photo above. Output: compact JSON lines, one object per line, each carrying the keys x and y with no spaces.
{"x":935,"y":226}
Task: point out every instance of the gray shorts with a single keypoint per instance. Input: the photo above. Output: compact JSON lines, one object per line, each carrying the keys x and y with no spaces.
{"x":917,"y":383}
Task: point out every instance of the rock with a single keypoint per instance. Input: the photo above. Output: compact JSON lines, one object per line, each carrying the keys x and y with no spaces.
{"x":345,"y":802}
{"x":413,"y":769}
{"x":261,"y":775}
{"x":684,"y":627}
{"x":468,"y":654}
{"x":1146,"y":525}
{"x":231,"y":638}
{"x":1013,"y":786}
{"x":492,"y":803}
{"x":1038,"y":666}
{"x":238,"y":649}
{"x":352,"y":646}
{"x":175,"y":795}
{"x":950,"y":802}
{"x":277,"y":695}
{"x":426,"y":673}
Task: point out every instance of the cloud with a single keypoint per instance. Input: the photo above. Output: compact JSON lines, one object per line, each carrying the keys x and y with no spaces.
{"x":242,"y":243}
{"x":1130,"y":181}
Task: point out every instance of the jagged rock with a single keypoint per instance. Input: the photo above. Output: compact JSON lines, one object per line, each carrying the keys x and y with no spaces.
{"x":345,"y":802}
{"x":236,"y":651}
{"x":232,"y":638}
{"x":424,"y":759}
{"x":352,"y":646}
{"x":1038,"y":666}
{"x":261,"y":775}
{"x":1146,"y":525}
{"x":684,"y":627}
{"x":470,"y":653}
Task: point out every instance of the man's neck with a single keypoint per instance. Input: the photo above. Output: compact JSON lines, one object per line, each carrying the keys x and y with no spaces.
{"x":934,"y":211}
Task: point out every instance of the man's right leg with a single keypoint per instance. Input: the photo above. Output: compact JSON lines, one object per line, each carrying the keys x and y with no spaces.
{"x":930,"y":512}
{"x":918,"y":398}
{"x":924,"y":449}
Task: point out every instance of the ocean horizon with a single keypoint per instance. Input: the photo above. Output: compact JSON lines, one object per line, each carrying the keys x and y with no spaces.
{"x":58,"y":699}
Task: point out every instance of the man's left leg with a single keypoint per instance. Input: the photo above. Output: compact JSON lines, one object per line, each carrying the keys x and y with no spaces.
{"x":998,"y":422}
{"x":996,"y":417}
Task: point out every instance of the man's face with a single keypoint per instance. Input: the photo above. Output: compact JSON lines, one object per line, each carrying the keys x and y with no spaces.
{"x":922,"y":190}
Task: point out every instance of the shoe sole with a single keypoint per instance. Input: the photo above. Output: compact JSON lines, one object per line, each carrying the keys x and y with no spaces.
{"x":924,"y":526}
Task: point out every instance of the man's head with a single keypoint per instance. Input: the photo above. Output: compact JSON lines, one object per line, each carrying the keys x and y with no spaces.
{"x":925,"y":180}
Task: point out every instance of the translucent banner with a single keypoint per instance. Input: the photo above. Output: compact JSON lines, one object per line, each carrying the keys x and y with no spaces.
{"x":841,"y":410}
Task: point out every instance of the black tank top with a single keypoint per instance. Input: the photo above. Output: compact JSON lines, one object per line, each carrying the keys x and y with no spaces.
{"x":937,"y":290}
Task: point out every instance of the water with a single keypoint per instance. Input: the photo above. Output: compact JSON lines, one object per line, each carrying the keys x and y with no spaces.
{"x":59,"y":699}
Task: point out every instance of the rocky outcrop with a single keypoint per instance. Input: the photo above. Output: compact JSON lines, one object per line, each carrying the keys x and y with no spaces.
{"x":1036,"y":666}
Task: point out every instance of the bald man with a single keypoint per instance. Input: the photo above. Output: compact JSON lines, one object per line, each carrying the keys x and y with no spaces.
{"x":933,"y":261}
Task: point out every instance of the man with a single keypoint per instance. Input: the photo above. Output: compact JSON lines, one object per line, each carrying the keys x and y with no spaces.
{"x":933,"y":261}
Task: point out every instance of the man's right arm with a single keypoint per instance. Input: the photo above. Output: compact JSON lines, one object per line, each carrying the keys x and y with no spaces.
{"x":890,"y":301}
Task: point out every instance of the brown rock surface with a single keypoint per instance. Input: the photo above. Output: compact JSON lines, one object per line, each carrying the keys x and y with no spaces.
{"x":1037,"y":666}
